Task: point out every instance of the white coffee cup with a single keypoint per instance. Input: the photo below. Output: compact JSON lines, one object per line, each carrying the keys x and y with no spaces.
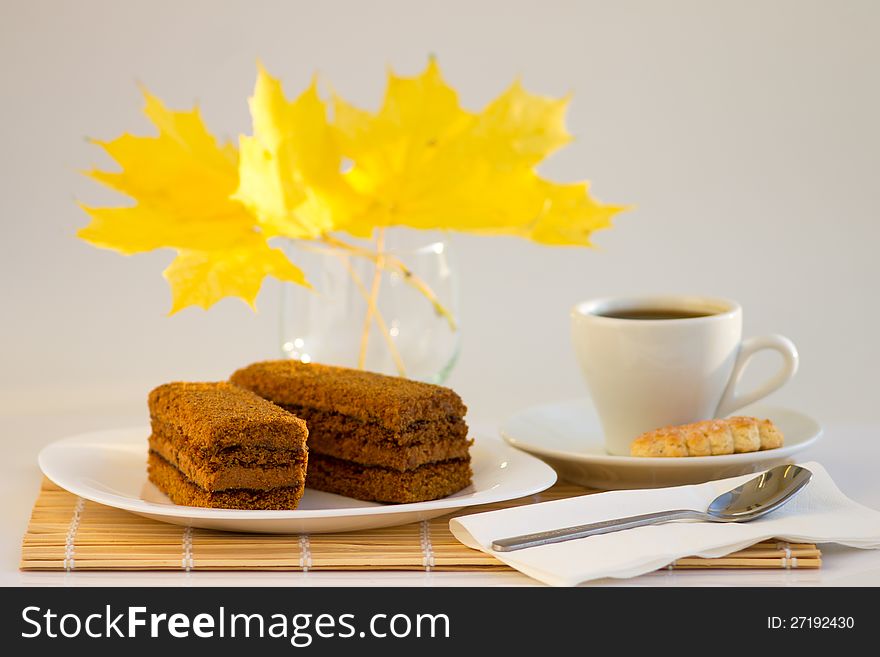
{"x":647,"y":373}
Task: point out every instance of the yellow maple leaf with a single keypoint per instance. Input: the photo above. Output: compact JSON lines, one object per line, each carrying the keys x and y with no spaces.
{"x":521,"y":129}
{"x":202,"y":278}
{"x":425,"y":162}
{"x":569,"y":215}
{"x":420,"y":161}
{"x":290,"y":170}
{"x":181,"y":181}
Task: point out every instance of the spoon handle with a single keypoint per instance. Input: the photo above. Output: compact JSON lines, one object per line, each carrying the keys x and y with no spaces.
{"x":593,"y":529}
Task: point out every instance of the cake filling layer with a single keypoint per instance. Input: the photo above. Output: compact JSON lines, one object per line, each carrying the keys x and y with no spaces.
{"x":238,"y":455}
{"x":181,"y":490}
{"x":347,"y":438}
{"x":389,"y":456}
{"x":270,"y":436}
{"x":332,"y":423}
{"x":216,"y":475}
{"x":428,"y":482}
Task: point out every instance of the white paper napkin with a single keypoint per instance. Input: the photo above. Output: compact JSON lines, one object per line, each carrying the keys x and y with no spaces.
{"x":820,"y":513}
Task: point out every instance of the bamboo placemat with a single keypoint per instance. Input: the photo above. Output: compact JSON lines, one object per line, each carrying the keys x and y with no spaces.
{"x":68,"y":533}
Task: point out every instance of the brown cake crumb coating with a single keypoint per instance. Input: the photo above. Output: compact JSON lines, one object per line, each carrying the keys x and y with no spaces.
{"x":181,"y":490}
{"x":217,"y":415}
{"x":371,"y":436}
{"x":226,"y":447}
{"x":428,"y":482}
{"x":392,"y":402}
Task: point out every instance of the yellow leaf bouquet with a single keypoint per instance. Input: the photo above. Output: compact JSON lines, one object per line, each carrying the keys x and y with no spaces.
{"x":327,"y":172}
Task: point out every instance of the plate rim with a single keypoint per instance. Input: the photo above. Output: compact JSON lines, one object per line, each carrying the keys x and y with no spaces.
{"x":140,"y":506}
{"x":656,"y":461}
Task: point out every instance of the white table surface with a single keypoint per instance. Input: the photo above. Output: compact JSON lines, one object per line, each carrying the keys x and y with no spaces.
{"x":849,"y":452}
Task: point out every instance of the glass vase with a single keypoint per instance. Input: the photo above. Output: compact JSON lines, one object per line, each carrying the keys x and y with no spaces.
{"x":387,"y":305}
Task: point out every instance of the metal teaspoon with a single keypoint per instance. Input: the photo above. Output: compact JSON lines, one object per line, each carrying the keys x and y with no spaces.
{"x":753,"y":499}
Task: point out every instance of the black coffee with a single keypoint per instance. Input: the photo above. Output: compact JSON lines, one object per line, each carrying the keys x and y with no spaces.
{"x":655,"y":313}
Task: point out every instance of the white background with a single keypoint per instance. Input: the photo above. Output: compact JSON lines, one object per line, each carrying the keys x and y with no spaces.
{"x":747,"y":134}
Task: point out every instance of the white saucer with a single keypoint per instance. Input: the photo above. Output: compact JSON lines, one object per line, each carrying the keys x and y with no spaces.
{"x":568,"y":436}
{"x":110,"y":467}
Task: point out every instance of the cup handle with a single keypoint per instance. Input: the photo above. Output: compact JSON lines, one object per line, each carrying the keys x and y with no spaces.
{"x":732,"y":401}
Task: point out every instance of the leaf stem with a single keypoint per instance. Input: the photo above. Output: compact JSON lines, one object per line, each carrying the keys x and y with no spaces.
{"x":380,"y":320}
{"x":406,"y":273}
{"x":423,"y":287}
{"x":379,"y":267}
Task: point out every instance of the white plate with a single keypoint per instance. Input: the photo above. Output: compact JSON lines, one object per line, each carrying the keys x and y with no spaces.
{"x":568,"y":436}
{"x":109,"y":467}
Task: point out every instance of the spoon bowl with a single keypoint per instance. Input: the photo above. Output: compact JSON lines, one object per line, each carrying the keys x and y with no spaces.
{"x":760,"y":495}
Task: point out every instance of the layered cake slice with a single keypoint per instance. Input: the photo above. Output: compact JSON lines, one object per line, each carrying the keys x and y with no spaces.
{"x":371,"y":437}
{"x":218,"y":445}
